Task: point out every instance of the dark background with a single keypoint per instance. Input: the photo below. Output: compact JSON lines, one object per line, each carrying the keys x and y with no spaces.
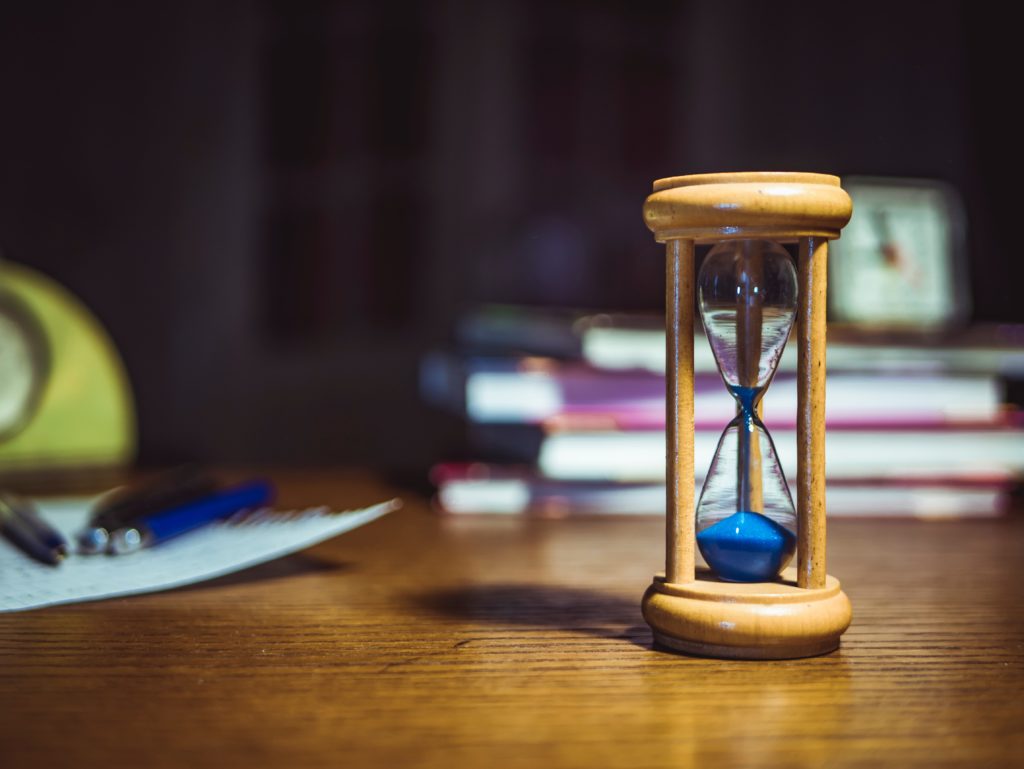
{"x":276,"y":207}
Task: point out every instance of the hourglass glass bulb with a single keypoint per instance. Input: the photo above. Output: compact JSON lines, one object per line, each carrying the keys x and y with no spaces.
{"x":747,"y":291}
{"x":745,"y":518}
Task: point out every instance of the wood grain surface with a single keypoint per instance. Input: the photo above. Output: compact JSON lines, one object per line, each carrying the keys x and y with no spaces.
{"x":487,"y":642}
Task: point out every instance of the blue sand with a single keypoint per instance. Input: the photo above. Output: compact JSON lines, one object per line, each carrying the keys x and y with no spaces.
{"x":747,"y":547}
{"x":747,"y":397}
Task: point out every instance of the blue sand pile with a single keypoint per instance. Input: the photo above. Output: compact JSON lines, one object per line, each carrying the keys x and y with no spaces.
{"x":747,"y":547}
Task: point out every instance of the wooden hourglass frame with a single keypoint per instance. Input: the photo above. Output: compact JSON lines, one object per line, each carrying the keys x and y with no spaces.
{"x":804,"y":612}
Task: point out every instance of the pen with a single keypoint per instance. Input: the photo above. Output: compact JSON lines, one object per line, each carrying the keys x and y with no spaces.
{"x":163,"y":525}
{"x":124,"y":506}
{"x":22,"y":525}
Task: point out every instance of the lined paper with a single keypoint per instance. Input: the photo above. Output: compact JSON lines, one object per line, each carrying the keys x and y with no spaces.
{"x":218,"y":549}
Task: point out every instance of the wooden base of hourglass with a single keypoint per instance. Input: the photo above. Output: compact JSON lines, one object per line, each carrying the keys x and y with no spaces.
{"x":747,"y":620}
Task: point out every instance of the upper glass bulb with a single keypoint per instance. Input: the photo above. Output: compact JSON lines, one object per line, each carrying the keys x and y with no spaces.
{"x":747,"y":292}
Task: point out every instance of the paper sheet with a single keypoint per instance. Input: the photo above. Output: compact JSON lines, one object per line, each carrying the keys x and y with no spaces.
{"x":212,"y":551}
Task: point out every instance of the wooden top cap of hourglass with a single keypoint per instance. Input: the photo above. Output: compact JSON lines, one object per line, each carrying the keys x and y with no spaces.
{"x":763,"y":204}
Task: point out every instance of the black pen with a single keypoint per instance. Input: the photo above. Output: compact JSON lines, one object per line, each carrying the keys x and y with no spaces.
{"x":162,"y":525}
{"x":22,"y":525}
{"x":124,"y":506}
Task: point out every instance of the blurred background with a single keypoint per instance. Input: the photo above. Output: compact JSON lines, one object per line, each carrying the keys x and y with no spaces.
{"x":277,"y":208}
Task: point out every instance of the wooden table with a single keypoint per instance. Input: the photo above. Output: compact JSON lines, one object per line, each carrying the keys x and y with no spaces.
{"x":487,"y":642}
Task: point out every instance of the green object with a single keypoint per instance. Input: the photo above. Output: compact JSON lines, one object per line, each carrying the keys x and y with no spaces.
{"x":64,"y":395}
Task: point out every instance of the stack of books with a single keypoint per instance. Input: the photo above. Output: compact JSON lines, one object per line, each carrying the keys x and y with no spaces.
{"x":566,"y":414}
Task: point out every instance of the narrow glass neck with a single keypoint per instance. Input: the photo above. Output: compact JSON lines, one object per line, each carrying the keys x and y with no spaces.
{"x":747,"y":398}
{"x":749,"y":497}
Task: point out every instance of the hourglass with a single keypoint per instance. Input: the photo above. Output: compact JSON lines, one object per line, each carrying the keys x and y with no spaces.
{"x":747,"y":603}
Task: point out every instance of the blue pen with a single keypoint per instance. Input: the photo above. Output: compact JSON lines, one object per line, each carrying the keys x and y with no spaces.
{"x":160,"y":526}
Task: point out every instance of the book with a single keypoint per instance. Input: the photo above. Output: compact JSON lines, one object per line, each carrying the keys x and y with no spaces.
{"x":994,"y":454}
{"x":498,"y":329}
{"x":629,"y":346}
{"x":508,"y":490}
{"x":538,"y":390}
{"x":622,"y":341}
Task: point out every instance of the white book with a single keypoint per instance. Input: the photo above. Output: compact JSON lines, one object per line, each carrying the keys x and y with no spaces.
{"x":618,"y":348}
{"x":849,"y":454}
{"x":518,"y":397}
{"x":516,"y":496}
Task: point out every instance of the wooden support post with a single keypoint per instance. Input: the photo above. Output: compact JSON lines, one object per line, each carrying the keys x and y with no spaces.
{"x":810,"y":428}
{"x":679,"y":479}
